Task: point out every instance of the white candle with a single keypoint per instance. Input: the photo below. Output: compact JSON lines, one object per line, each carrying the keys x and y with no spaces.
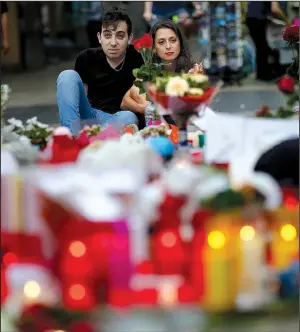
{"x":252,"y":291}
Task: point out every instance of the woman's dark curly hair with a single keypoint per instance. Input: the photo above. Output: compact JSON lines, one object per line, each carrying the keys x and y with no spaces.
{"x":184,"y":61}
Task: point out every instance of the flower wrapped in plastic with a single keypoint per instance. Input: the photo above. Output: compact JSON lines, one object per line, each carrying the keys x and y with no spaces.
{"x":182,"y":96}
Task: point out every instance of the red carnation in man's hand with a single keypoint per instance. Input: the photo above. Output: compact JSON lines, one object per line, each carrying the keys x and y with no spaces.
{"x":286,"y":84}
{"x":291,"y":34}
{"x":137,"y":44}
{"x":146,"y":41}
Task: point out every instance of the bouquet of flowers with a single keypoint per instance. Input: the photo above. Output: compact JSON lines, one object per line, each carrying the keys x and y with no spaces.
{"x":38,"y":133}
{"x":148,"y":71}
{"x":92,"y":131}
{"x":184,"y":85}
{"x":181,"y":95}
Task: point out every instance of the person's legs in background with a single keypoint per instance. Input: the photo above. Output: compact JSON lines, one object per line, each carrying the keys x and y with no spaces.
{"x":257,"y":31}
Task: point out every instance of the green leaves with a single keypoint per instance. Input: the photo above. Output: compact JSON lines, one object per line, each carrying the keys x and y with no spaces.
{"x":293,"y":69}
{"x":224,"y":201}
{"x":135,"y":72}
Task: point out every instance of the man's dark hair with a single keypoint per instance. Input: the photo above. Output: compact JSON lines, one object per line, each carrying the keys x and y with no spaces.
{"x":114,"y":16}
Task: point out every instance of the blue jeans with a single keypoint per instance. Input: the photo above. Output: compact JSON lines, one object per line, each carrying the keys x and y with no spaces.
{"x":75,"y":110}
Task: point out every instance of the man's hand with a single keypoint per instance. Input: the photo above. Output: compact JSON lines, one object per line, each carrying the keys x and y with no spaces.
{"x":133,"y":101}
{"x":143,"y":106}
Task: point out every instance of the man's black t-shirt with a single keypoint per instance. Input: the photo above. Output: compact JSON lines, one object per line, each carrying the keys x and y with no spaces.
{"x":107,"y":86}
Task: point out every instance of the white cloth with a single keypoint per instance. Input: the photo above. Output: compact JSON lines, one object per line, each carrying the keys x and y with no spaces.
{"x":9,"y":164}
{"x":201,"y":121}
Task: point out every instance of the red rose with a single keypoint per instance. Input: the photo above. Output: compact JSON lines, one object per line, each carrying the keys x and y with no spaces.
{"x":137,"y":44}
{"x":286,"y":84}
{"x":81,"y":327}
{"x":146,"y":41}
{"x":291,"y":34}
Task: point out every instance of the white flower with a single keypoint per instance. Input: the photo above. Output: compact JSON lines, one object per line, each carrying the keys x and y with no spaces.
{"x":195,"y":92}
{"x":177,"y":87}
{"x":198,"y":78}
{"x":9,"y":128}
{"x":29,"y":126}
{"x":16,"y":123}
{"x":25,"y":140}
{"x":32,"y":120}
{"x":5,"y":91}
{"x":42,"y":125}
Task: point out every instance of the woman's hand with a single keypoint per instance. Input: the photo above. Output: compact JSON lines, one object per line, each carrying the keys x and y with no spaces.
{"x":197,"y":69}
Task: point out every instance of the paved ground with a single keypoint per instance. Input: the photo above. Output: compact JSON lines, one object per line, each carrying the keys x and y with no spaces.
{"x":187,"y":319}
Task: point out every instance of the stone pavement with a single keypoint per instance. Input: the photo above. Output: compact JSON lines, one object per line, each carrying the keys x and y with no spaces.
{"x":187,"y":319}
{"x":34,"y":94}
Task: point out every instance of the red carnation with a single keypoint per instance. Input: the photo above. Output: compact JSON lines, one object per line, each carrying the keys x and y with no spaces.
{"x":81,"y":327}
{"x":137,"y":44}
{"x":146,"y":41}
{"x":263,"y":112}
{"x":291,"y":34}
{"x":286,"y":84}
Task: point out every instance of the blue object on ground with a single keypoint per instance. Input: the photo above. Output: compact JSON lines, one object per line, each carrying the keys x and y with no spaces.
{"x":161,"y":145}
{"x":289,"y":279}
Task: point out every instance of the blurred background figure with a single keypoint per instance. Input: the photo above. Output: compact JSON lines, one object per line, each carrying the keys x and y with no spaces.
{"x":4,"y":27}
{"x":155,"y":11}
{"x":267,"y":59}
{"x":95,"y":11}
